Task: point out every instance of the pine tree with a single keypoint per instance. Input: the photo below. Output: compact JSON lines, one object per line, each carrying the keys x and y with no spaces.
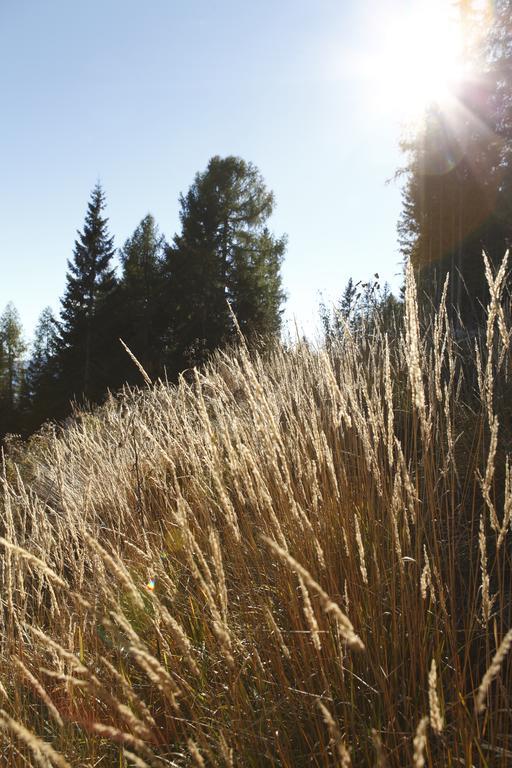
{"x":499,"y":54}
{"x":140,"y":300}
{"x":86,"y":338}
{"x":343,"y":314}
{"x":456,"y":203}
{"x":38,"y":397}
{"x":254,"y":285}
{"x":449,"y":213}
{"x":223,"y":254}
{"x":348,"y":301}
{"x":362,"y":308}
{"x":12,"y":348}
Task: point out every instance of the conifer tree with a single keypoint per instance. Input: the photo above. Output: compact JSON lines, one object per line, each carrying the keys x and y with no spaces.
{"x":38,"y":399}
{"x":141,"y":324}
{"x":85,"y":329}
{"x":499,"y":54}
{"x":450,"y":205}
{"x":254,"y":285}
{"x":362,"y":308}
{"x":348,"y":300}
{"x":12,"y":349}
{"x":342,"y":315}
{"x":458,"y":192}
{"x":223,"y":254}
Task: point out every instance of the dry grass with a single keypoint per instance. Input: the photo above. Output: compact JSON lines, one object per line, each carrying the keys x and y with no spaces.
{"x":302,"y":560}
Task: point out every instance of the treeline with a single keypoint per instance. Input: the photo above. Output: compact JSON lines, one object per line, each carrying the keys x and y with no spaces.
{"x":458,"y":191}
{"x":172,"y":303}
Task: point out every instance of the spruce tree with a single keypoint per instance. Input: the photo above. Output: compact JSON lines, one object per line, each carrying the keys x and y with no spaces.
{"x":141,"y":324}
{"x":450,"y":205}
{"x":458,"y":191}
{"x":499,"y":54}
{"x":12,"y":349}
{"x":38,"y":398}
{"x":223,"y":254}
{"x":342,"y":315}
{"x":348,"y":301}
{"x":85,"y":340}
{"x":254,"y":285}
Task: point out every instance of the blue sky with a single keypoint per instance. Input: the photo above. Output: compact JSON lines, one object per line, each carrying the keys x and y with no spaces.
{"x":142,"y":94}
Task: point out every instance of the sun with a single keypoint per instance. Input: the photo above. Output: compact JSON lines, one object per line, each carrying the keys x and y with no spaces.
{"x":419,"y":58}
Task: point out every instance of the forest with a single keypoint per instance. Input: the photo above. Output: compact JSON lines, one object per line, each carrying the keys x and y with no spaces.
{"x":172,"y":304}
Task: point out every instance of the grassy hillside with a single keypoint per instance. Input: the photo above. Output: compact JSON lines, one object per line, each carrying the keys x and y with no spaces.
{"x":297,"y":561}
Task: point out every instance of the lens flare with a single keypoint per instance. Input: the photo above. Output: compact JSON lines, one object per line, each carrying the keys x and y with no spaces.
{"x":420,"y":57}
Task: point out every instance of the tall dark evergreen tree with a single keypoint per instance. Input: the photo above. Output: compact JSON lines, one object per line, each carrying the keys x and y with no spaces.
{"x":39,"y":391}
{"x":140,"y":300}
{"x":223,"y":254}
{"x":348,"y":300}
{"x":254,"y":285}
{"x":341,"y":315}
{"x":449,"y":214}
{"x":86,"y":335}
{"x":455,"y":199}
{"x":499,"y":55}
{"x":12,"y":369}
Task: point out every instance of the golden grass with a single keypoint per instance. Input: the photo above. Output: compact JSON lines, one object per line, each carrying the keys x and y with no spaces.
{"x":296,"y":560}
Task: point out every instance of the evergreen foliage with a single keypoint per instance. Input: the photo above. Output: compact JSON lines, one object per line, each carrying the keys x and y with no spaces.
{"x":142,"y":324}
{"x":457,"y":196}
{"x":362,"y":307}
{"x":224,"y":254}
{"x":12,"y":350}
{"x":171,"y":306}
{"x":84,"y":344}
{"x":38,"y":397}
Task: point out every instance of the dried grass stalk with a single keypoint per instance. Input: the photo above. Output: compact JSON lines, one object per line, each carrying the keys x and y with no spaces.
{"x":493,"y":671}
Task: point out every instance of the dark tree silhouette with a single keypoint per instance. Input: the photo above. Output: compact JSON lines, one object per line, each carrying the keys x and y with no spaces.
{"x":85,"y":334}
{"x":140,"y":301}
{"x":223,"y":254}
{"x":457,"y":195}
{"x":12,"y":349}
{"x":40,"y":383}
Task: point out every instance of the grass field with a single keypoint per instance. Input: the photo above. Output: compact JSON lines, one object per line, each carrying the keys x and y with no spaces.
{"x":302,"y":559}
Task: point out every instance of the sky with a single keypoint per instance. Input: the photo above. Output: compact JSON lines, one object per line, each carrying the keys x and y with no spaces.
{"x":141,"y":94}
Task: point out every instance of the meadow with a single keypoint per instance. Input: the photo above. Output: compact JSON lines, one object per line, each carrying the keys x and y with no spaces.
{"x":299,"y":558}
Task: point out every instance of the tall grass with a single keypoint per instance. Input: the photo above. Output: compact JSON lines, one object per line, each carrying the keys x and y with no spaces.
{"x":297,"y":560}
